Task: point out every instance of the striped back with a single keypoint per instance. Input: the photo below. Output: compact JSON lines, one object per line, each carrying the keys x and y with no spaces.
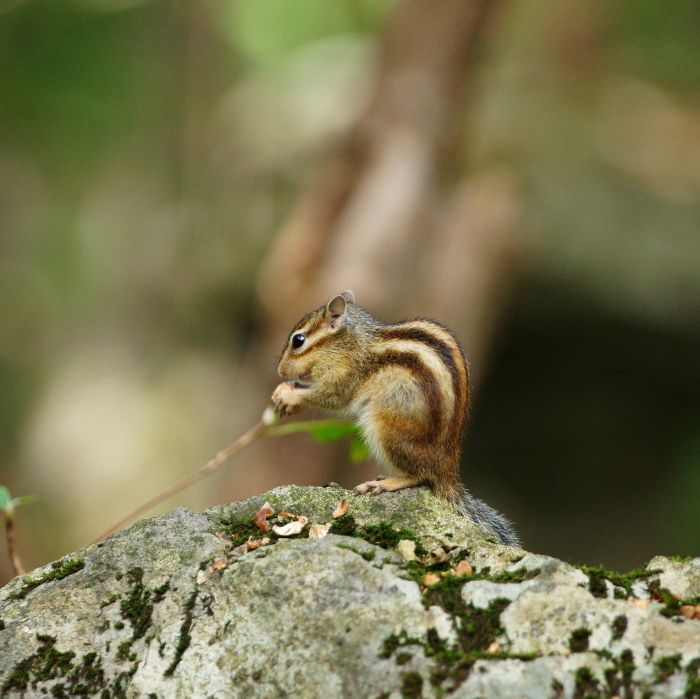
{"x":433,"y":355}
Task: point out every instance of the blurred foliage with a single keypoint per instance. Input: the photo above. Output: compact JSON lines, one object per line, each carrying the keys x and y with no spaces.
{"x":265,"y":31}
{"x":149,"y":150}
{"x":658,"y":40}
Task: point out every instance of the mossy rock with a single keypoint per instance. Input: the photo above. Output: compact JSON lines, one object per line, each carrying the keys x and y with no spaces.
{"x":172,"y":607}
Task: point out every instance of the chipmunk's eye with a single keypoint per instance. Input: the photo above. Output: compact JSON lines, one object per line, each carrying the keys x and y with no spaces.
{"x":298,"y":340}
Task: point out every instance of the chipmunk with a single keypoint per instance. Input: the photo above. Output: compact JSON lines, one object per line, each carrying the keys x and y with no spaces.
{"x":407,"y":387}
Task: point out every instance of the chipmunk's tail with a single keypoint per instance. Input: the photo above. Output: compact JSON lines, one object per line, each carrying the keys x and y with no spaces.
{"x":486,"y":517}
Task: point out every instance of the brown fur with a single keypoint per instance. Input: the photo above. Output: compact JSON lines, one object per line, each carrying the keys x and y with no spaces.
{"x":354,"y":371}
{"x":406,"y":385}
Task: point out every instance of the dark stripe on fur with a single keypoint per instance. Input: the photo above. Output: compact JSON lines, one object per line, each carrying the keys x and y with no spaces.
{"x":413,"y":363}
{"x":460,"y":381}
{"x":312,"y":346}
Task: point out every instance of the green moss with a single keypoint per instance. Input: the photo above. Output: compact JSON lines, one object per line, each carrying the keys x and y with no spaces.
{"x":2,"y":625}
{"x":345,"y":525}
{"x":672,"y":606}
{"x":680,"y":559}
{"x":110,"y":600}
{"x":47,"y":663}
{"x":403,"y":658}
{"x":476,"y":630}
{"x":416,"y":571}
{"x":185,"y":637}
{"x":519,"y":575}
{"x":411,"y":685}
{"x":619,"y":626}
{"x":586,"y":685}
{"x":123,"y":651}
{"x":692,"y":687}
{"x":137,"y":608}
{"x":367,"y":555}
{"x":59,"y":570}
{"x":619,"y":676}
{"x":394,"y":641}
{"x":597,"y":576}
{"x":578,"y":642}
{"x":241,"y":530}
{"x":666,"y":666}
{"x":382,"y":534}
{"x":387,"y":537}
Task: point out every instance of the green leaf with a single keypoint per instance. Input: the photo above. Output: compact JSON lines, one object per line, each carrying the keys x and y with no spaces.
{"x":321,"y":430}
{"x":359,"y":451}
{"x":5,"y":497}
{"x":24,"y":500}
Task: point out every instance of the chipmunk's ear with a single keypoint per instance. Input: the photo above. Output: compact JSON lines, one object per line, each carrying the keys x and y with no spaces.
{"x":337,"y":309}
{"x":348,"y":296}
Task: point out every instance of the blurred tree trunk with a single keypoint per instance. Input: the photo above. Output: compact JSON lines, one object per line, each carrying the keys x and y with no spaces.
{"x":389,"y":217}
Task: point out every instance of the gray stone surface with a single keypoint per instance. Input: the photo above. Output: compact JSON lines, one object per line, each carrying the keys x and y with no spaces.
{"x":170,"y":608}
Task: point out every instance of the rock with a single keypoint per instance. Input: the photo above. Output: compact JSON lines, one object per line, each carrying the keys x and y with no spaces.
{"x":173,"y":607}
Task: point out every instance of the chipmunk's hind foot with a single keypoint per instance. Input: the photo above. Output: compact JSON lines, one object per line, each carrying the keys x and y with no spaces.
{"x":386,"y":485}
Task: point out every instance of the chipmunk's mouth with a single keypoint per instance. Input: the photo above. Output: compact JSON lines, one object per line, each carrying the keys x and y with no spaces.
{"x":304,"y":381}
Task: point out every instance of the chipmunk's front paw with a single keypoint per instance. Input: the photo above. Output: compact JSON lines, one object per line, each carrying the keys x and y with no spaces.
{"x":287,"y":399}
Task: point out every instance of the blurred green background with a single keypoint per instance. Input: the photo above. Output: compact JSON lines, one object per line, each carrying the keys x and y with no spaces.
{"x":149,"y":151}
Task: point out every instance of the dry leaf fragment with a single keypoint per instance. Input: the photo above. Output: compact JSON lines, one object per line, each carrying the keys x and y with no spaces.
{"x":289,"y":529}
{"x":341,"y":508}
{"x":218,"y":564}
{"x":436,"y":556}
{"x":407,"y":549}
{"x":253,"y":544}
{"x":261,"y":516}
{"x":463,"y":568}
{"x":430,"y":579}
{"x":201,"y":578}
{"x":690,"y":611}
{"x":316,"y":531}
{"x":641,"y":603}
{"x":290,"y":515}
{"x":495,"y":647}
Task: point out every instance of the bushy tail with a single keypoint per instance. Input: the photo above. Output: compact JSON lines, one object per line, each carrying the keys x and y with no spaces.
{"x":486,"y":517}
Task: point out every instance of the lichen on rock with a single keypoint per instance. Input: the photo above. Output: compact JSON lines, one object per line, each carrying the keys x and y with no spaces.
{"x":184,"y":605}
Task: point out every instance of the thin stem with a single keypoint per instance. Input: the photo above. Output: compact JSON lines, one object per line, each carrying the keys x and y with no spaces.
{"x":243,"y":441}
{"x":17,"y":566}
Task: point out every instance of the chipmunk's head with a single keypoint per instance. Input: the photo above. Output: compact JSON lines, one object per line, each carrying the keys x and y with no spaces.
{"x":316,"y":340}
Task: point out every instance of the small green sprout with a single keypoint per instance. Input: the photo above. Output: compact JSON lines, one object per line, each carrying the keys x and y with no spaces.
{"x":325,"y":431}
{"x":8,"y":504}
